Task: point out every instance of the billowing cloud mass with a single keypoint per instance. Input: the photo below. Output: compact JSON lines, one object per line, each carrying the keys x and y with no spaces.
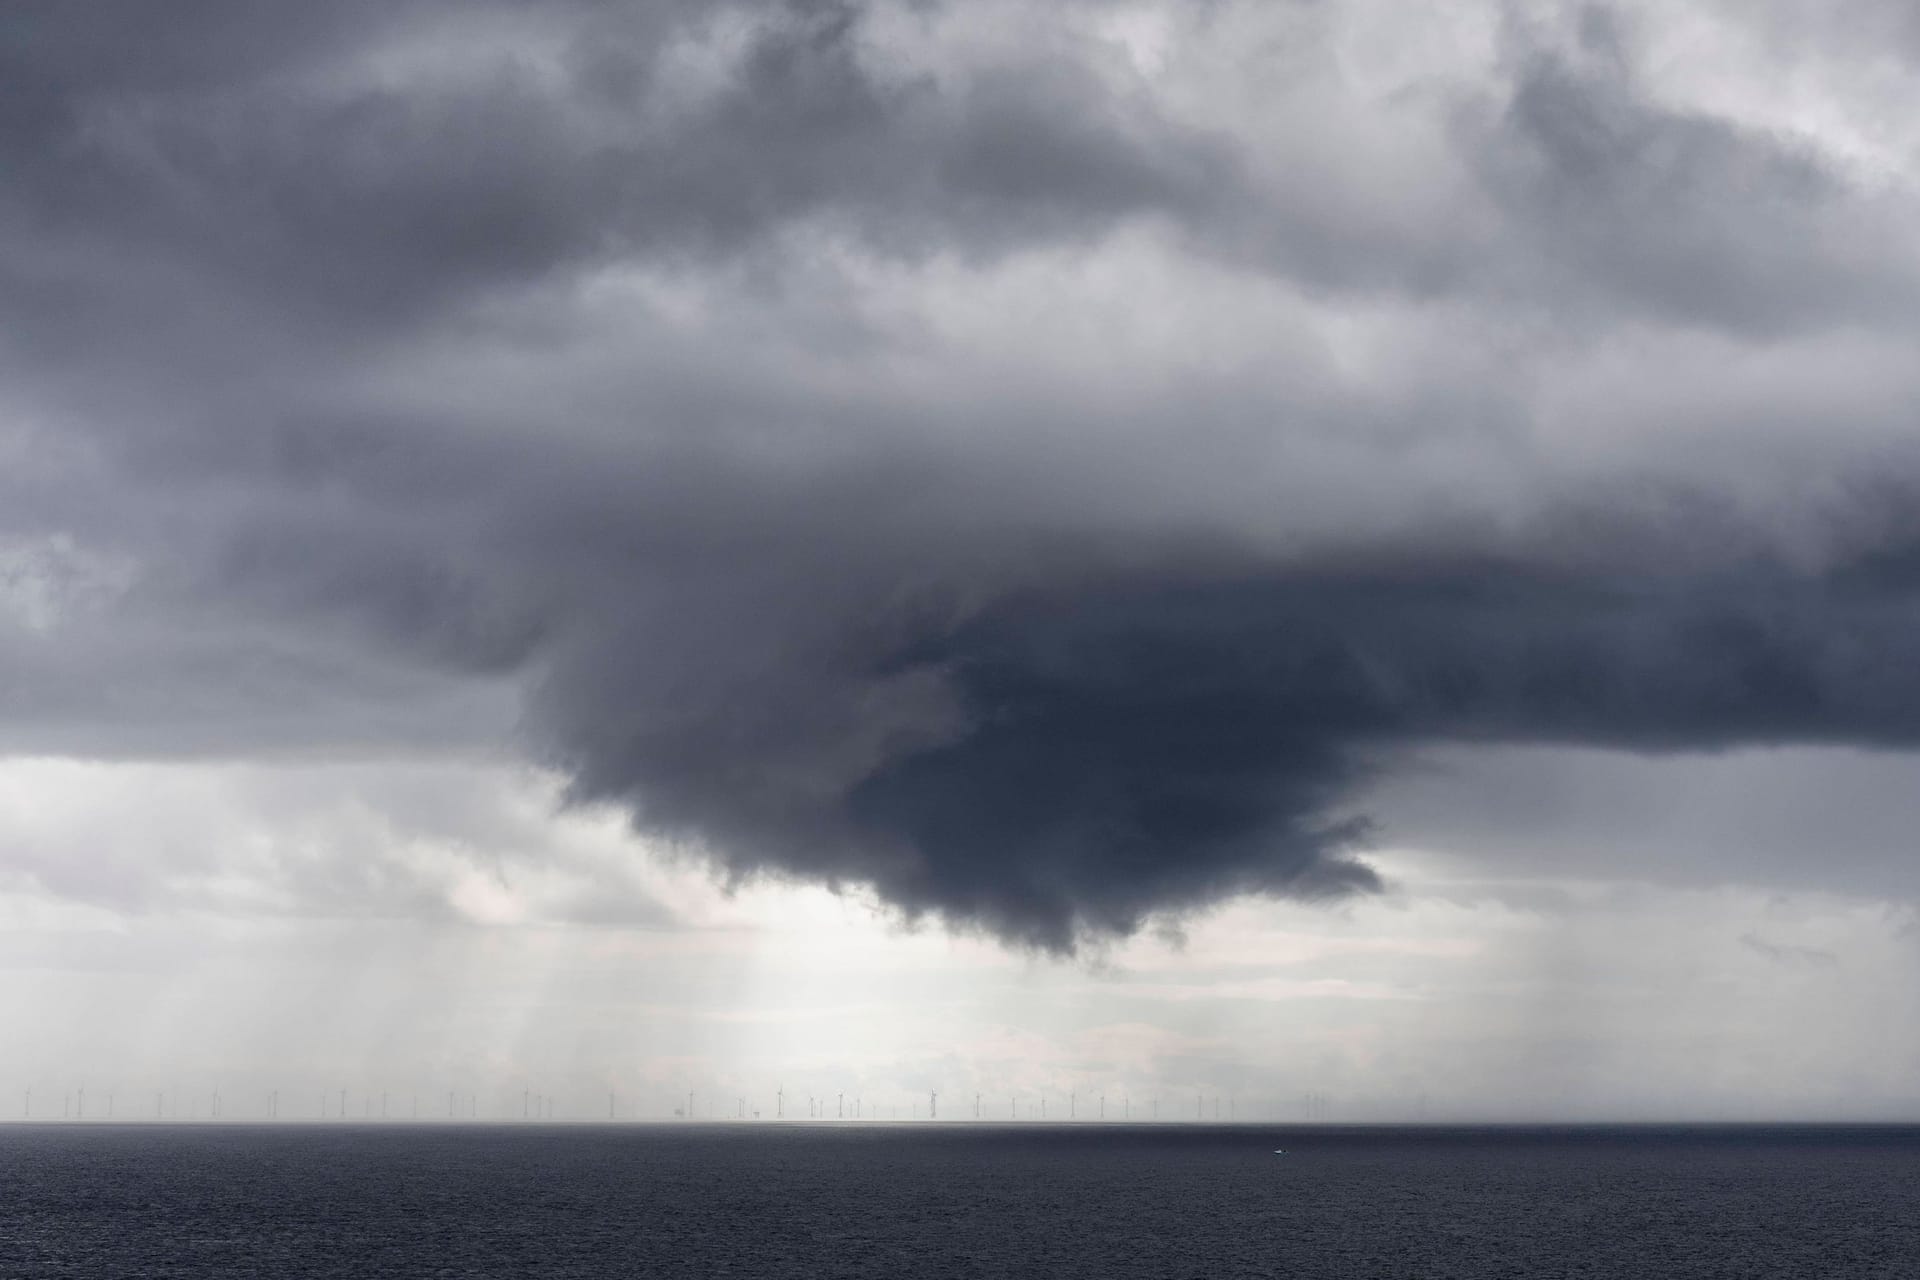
{"x":1041,"y":464}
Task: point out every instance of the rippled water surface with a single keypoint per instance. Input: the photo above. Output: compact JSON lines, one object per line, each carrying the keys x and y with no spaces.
{"x":959,"y":1200}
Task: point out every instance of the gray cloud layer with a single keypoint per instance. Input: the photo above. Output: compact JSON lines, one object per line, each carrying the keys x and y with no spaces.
{"x":940,"y":447}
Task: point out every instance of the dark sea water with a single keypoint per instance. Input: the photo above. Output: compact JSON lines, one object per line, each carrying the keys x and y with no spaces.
{"x":956,"y":1200}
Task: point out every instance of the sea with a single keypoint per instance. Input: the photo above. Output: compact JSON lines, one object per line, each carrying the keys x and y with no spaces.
{"x":952,"y":1200}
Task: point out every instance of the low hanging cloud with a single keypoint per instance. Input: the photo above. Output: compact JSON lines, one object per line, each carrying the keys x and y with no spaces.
{"x":1042,"y":468}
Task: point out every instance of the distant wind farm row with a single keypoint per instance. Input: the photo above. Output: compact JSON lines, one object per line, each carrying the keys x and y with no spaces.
{"x":530,"y":1106}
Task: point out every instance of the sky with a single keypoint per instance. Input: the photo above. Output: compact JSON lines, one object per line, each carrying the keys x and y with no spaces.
{"x":1325,"y":558}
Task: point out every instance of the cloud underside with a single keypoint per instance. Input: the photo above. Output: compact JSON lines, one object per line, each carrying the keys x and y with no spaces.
{"x":1042,"y":468}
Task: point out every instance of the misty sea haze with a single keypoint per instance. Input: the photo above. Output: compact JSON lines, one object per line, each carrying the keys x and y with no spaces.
{"x":961,"y":1200}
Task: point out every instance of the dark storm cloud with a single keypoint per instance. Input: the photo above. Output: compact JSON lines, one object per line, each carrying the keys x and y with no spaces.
{"x":1680,"y":213}
{"x":247,"y":154}
{"x":1155,"y":743}
{"x":967,"y":468}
